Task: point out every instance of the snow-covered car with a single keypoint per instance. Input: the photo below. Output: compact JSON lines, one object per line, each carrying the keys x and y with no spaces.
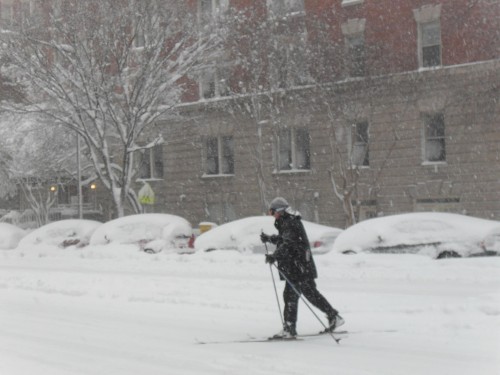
{"x":152,"y":233}
{"x":440,"y":235}
{"x":244,"y":235}
{"x":63,"y":234}
{"x":10,"y":235}
{"x":491,"y":242}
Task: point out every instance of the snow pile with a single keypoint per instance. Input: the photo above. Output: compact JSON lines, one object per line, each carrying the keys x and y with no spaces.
{"x":63,"y":233}
{"x":462,"y":234}
{"x":243,"y":235}
{"x":135,"y":228}
{"x":10,"y":235}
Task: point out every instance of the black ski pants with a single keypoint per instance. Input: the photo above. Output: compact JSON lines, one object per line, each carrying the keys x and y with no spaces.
{"x":309,"y":290}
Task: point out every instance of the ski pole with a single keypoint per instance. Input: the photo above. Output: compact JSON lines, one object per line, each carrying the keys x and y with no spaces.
{"x":275,"y":290}
{"x":337,"y":340}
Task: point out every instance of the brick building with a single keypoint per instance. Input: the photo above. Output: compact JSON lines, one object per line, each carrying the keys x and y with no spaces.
{"x":348,"y":108}
{"x":396,"y":110}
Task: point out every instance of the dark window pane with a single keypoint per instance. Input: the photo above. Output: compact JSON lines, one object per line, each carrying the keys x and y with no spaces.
{"x":158,"y":161}
{"x":431,"y":56}
{"x":285,"y":150}
{"x":431,"y":44}
{"x":356,"y":56}
{"x":435,"y":150}
{"x":435,"y":147}
{"x":208,"y":89}
{"x":212,"y":162}
{"x":435,"y":126}
{"x":303,"y":154}
{"x":360,"y":146}
{"x":145,"y":164}
{"x":227,"y":155}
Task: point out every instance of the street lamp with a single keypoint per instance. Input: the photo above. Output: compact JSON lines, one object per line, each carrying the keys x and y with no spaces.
{"x":93,"y":188}
{"x":79,"y":177}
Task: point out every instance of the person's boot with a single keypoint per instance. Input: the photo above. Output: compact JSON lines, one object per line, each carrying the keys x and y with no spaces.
{"x":334,"y":322}
{"x":287,"y":332}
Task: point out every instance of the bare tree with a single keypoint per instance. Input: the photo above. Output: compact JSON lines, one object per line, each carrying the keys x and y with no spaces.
{"x":107,"y":70}
{"x":270,"y":54}
{"x":36,"y":156}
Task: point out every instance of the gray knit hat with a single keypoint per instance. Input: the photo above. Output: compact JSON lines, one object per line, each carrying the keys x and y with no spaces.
{"x":278,"y":204}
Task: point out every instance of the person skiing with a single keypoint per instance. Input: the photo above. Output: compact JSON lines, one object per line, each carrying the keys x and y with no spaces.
{"x":296,"y":266}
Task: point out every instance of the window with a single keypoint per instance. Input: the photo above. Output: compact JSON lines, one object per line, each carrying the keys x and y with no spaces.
{"x":289,"y":62}
{"x":359,"y":144}
{"x":285,"y":7}
{"x":356,"y":54}
{"x":208,"y":9}
{"x":219,"y":156}
{"x":139,"y":37}
{"x":6,"y":14}
{"x":430,"y":34}
{"x":293,"y":149}
{"x":212,"y":84}
{"x":67,"y":193}
{"x":151,"y":163}
{"x":221,"y":212}
{"x":27,"y":8}
{"x":354,"y":36}
{"x":434,"y":140}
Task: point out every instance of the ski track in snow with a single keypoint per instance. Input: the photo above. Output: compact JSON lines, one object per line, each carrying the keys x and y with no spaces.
{"x":123,"y":312}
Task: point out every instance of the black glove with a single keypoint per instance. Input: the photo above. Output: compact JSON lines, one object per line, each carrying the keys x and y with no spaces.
{"x":265,"y":238}
{"x":270,"y":258}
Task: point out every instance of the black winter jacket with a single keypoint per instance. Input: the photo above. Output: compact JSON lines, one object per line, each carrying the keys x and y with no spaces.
{"x":293,"y":251}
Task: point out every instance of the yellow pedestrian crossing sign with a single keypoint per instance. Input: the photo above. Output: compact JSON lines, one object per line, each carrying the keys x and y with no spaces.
{"x":146,"y":194}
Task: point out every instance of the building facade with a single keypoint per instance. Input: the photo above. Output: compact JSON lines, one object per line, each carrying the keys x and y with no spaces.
{"x":399,"y":112}
{"x":350,"y":109}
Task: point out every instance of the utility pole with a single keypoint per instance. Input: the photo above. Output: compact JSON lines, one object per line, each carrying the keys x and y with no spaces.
{"x":79,"y":177}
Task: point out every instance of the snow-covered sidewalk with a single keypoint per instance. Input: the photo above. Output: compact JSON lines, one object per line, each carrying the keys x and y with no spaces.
{"x":117,"y":311}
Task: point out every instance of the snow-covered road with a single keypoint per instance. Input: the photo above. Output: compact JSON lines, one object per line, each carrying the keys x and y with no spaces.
{"x":117,"y":311}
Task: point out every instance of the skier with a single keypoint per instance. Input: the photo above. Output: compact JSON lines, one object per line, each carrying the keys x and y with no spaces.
{"x":295,"y":264}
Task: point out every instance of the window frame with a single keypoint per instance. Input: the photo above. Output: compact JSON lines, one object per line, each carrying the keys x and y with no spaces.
{"x":154,"y":165}
{"x":424,"y":16}
{"x":211,"y":78}
{"x":356,"y":55}
{"x":429,"y":119}
{"x":356,"y":143}
{"x":220,"y":149}
{"x":6,"y":14}
{"x":216,"y":7}
{"x":425,"y":62}
{"x":291,"y":145}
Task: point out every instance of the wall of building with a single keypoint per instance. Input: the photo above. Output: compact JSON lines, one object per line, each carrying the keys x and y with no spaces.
{"x":393,"y":97}
{"x":397,"y":179}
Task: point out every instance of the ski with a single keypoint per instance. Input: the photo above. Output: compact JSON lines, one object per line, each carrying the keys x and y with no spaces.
{"x":336,"y":335}
{"x":323,"y":333}
{"x":344,"y":332}
{"x":250,"y":340}
{"x":273,"y":338}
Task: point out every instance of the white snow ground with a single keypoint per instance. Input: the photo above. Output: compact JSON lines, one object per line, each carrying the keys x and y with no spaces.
{"x":114,"y":310}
